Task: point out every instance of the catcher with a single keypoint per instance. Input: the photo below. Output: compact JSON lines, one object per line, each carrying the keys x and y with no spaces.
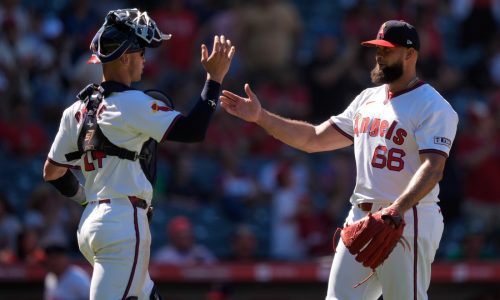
{"x":402,"y":131}
{"x":111,"y":133}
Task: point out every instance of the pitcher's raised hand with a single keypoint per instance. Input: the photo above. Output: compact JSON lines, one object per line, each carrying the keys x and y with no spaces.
{"x":248,"y":109}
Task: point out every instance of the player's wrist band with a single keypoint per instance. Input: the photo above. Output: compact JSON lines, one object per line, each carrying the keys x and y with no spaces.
{"x":211,"y":92}
{"x":67,"y":184}
{"x":193,"y":127}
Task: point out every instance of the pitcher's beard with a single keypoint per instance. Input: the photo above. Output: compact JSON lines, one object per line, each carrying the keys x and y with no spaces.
{"x":388,"y":74}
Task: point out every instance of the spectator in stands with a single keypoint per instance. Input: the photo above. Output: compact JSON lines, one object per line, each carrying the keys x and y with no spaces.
{"x":79,"y":19}
{"x":244,"y":245}
{"x":326,"y":75}
{"x":479,"y":154}
{"x":184,"y":188}
{"x":296,"y":162}
{"x":473,"y":39}
{"x":475,"y":245}
{"x":174,"y":16}
{"x":29,"y":251}
{"x":224,"y":20}
{"x":64,"y":280}
{"x":285,"y":236}
{"x":227,"y":134}
{"x":23,"y":137}
{"x":493,"y":63}
{"x":286,"y":94}
{"x":183,"y":249}
{"x":23,"y":54}
{"x":16,"y":10}
{"x":238,"y":189}
{"x":431,"y":40}
{"x":335,"y":178}
{"x":323,"y":209}
{"x":47,"y":214}
{"x":268,"y":32}
{"x":314,"y":227}
{"x":9,"y":229}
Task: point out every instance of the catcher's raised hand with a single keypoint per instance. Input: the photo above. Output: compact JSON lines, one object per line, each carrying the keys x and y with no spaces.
{"x":217,"y":63}
{"x":248,"y":109}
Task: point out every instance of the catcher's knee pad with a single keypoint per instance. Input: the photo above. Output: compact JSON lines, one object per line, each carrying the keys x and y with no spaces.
{"x":154,"y":294}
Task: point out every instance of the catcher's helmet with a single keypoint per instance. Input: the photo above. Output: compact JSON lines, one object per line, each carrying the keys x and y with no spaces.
{"x":125,"y":30}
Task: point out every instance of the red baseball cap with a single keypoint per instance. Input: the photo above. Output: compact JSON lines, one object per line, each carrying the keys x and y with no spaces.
{"x":179,"y":224}
{"x":395,"y":34}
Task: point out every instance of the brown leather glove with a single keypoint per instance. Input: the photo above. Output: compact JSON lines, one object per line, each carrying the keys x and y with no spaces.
{"x":374,"y":237}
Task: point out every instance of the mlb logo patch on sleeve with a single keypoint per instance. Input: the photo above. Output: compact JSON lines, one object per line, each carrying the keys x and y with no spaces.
{"x":155,"y":107}
{"x":442,"y":141}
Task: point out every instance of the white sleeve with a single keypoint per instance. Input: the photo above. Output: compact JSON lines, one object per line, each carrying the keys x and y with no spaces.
{"x":345,"y":121}
{"x":65,"y":142}
{"x":151,"y":117}
{"x":436,"y":131}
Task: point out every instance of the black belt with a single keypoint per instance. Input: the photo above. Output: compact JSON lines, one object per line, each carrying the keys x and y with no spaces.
{"x":136,"y":202}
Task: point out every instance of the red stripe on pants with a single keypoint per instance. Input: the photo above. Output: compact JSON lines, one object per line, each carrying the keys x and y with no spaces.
{"x":136,"y":253}
{"x":415,"y":251}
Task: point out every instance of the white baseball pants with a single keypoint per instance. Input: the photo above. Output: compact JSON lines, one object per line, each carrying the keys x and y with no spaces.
{"x":405,"y":274}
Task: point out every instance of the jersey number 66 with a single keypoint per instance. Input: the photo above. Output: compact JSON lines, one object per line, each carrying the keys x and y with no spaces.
{"x":392,"y":158}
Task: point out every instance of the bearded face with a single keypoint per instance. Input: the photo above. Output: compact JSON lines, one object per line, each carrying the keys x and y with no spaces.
{"x":387,"y":73}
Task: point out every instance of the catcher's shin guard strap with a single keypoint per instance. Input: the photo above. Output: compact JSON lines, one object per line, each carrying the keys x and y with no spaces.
{"x":67,"y":184}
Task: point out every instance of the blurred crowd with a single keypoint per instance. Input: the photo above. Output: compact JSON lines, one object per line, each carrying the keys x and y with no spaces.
{"x":241,"y":195}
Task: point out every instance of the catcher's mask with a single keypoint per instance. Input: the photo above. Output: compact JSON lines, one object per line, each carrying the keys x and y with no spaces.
{"x":125,"y":30}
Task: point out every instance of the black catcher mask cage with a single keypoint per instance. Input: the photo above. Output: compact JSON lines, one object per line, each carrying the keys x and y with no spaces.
{"x":125,"y":30}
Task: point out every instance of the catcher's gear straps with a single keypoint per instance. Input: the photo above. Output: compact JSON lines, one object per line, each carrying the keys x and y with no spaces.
{"x":147,"y":156}
{"x":91,"y":137}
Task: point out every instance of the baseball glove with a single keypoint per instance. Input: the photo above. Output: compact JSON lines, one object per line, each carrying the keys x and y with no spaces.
{"x":374,"y":237}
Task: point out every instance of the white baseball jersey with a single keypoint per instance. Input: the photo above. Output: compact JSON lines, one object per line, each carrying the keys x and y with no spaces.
{"x":127,"y":119}
{"x":389,"y":132}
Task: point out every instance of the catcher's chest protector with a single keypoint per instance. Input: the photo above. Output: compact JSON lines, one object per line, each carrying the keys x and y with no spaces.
{"x":91,"y":137}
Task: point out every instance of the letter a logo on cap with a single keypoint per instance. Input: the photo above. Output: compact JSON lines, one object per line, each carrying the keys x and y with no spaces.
{"x":380,"y":34}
